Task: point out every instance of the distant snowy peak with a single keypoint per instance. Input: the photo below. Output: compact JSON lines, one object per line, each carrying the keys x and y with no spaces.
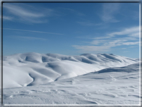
{"x":129,"y":68}
{"x":107,"y":56}
{"x":85,"y":58}
{"x":27,"y":69}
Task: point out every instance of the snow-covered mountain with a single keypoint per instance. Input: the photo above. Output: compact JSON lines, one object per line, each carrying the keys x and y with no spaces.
{"x":30,"y":69}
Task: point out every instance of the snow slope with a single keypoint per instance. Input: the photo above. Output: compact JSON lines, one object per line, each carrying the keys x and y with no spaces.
{"x":115,"y":86}
{"x":31,"y":69}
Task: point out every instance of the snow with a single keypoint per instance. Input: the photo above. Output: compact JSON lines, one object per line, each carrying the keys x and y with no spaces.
{"x":34,"y":68}
{"x":33,"y":78}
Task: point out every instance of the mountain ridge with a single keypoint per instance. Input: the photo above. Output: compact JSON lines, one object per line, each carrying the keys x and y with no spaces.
{"x":35,"y":69}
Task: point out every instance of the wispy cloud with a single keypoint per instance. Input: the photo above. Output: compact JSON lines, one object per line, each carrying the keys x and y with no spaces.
{"x":21,"y":12}
{"x":92,"y":48}
{"x":107,"y":15}
{"x":29,"y":38}
{"x":98,"y":42}
{"x":25,"y":12}
{"x":133,"y":31}
{"x":7,"y":18}
{"x":88,"y":23}
{"x":113,"y":39}
{"x":108,"y":12}
{"x":131,"y":43}
{"x":35,"y":31}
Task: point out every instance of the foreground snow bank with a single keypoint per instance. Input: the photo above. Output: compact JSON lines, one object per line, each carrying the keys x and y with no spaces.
{"x":120,"y":86}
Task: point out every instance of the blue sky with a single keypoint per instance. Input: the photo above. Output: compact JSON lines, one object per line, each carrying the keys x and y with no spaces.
{"x":71,"y":28}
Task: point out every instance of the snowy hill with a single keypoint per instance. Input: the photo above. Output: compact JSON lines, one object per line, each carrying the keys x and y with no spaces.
{"x":115,"y":86}
{"x":35,"y":69}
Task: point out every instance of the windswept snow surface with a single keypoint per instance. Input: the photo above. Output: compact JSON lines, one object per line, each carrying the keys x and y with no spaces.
{"x":34,"y":78}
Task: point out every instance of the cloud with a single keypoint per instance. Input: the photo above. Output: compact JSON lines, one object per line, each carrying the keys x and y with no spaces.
{"x":92,"y":48}
{"x":108,"y":12}
{"x":7,"y":18}
{"x":35,"y":31}
{"x":30,"y":38}
{"x":112,"y":40}
{"x":105,"y":46}
{"x":85,"y":23}
{"x":135,"y":34}
{"x":26,"y":12}
{"x":131,"y":43}
{"x":97,"y":42}
{"x":133,"y":31}
{"x":21,"y":12}
{"x":106,"y":15}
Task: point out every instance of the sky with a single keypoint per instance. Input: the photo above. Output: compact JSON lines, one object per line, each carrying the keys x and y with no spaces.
{"x":71,"y":28}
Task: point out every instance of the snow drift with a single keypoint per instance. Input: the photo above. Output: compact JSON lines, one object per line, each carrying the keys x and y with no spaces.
{"x":35,"y":69}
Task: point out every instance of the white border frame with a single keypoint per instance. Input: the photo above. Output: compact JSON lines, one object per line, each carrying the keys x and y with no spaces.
{"x":140,"y":65}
